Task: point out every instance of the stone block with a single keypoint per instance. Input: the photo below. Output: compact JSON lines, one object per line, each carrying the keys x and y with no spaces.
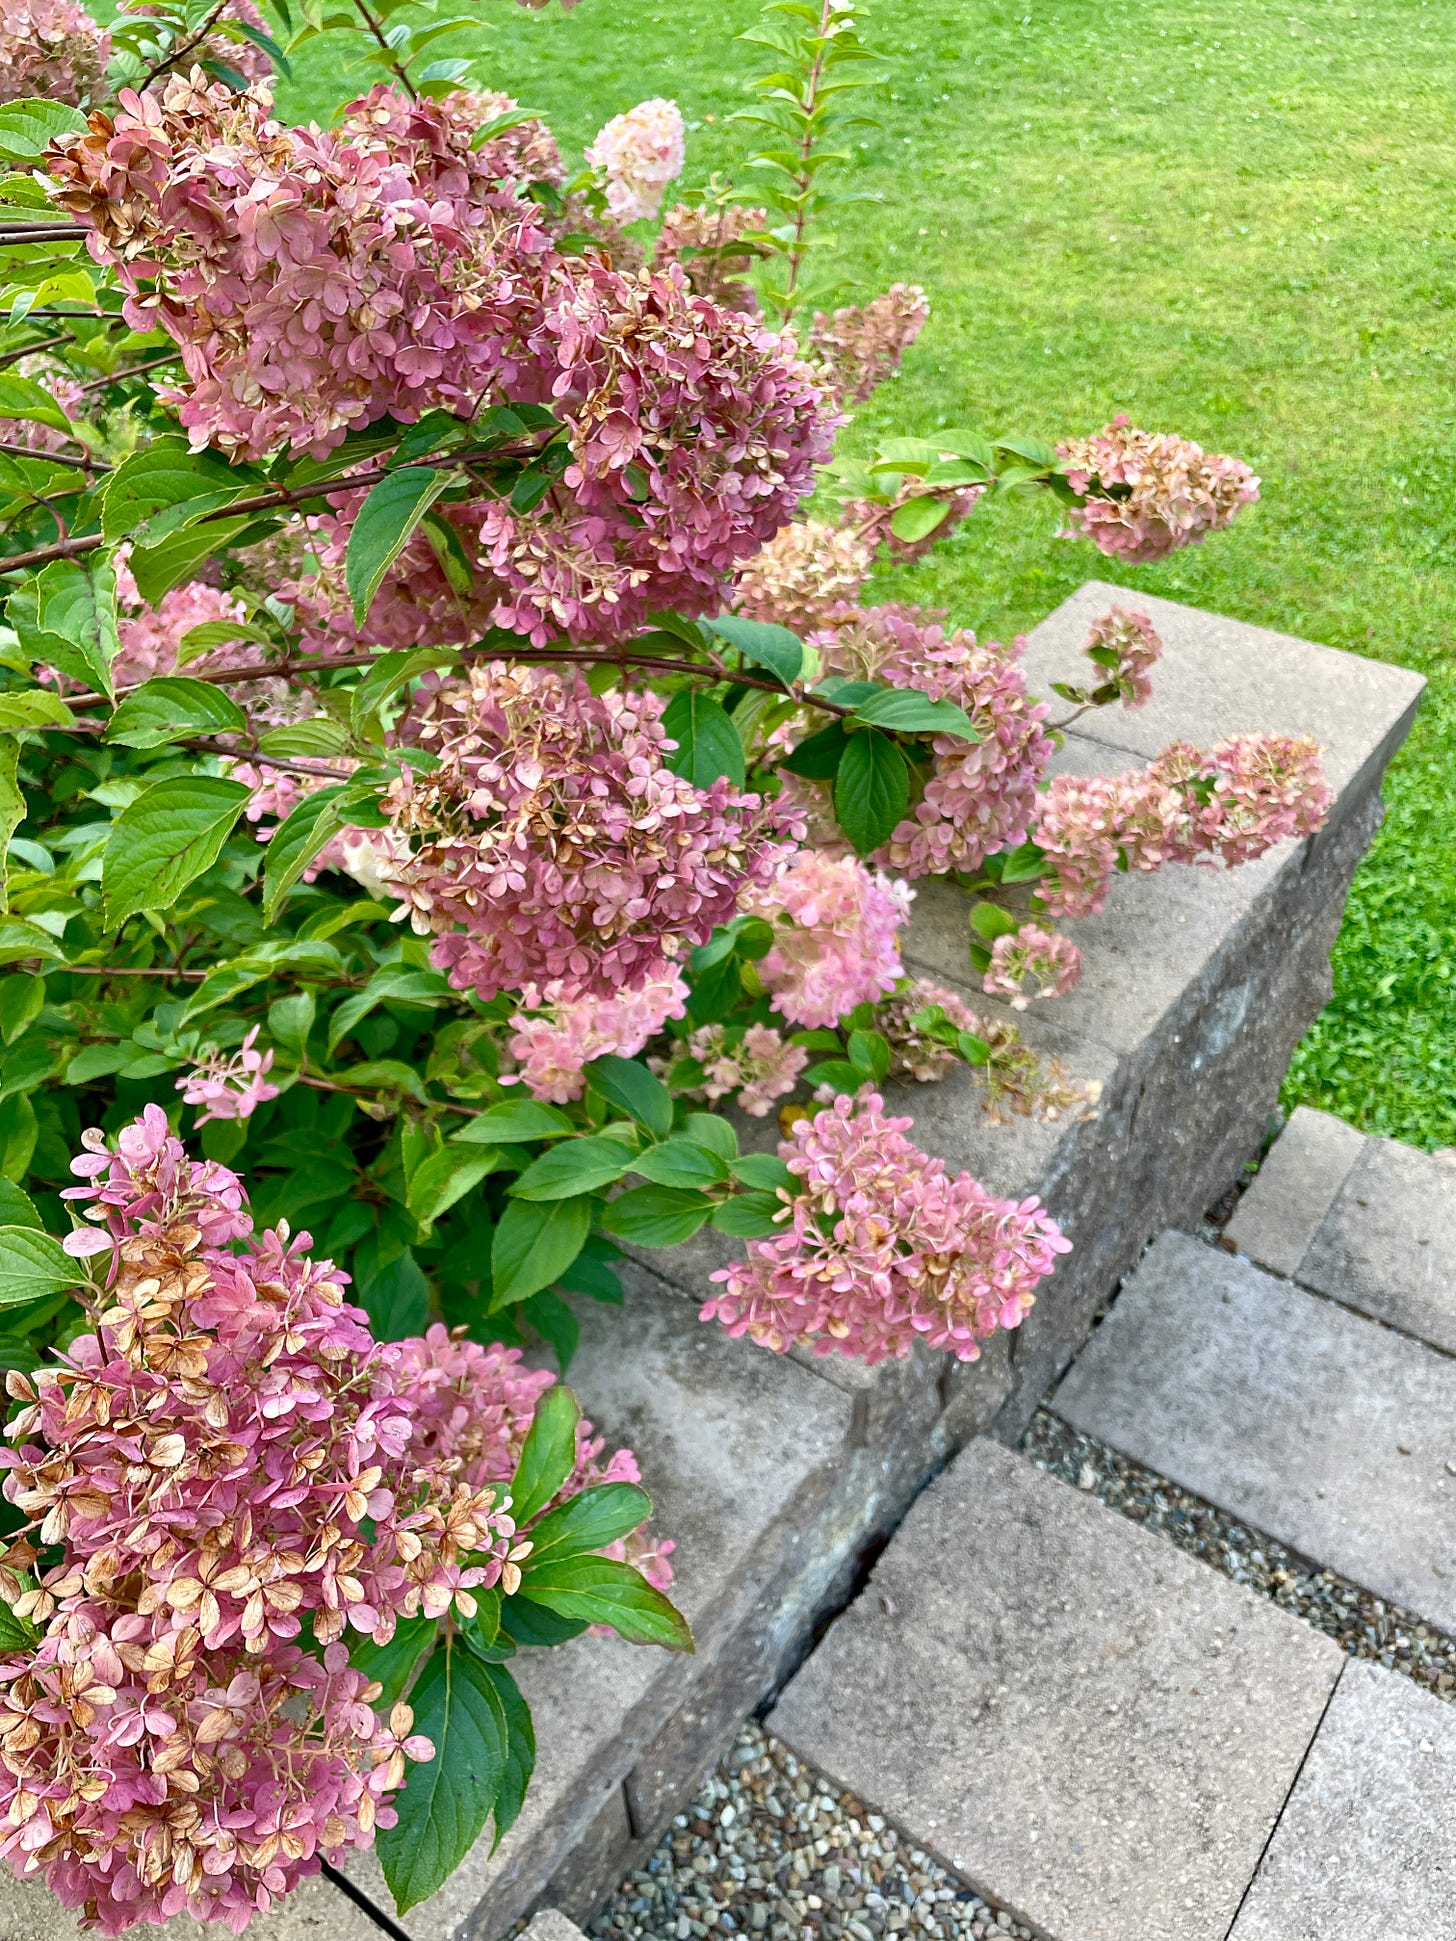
{"x":1306,"y":1421}
{"x":1285,"y":1206}
{"x":1365,"y":1846}
{"x":552,"y":1925}
{"x":587,"y":1875}
{"x":740,"y":1450}
{"x":315,"y":1911}
{"x":1388,"y":1243}
{"x":1093,"y":1728}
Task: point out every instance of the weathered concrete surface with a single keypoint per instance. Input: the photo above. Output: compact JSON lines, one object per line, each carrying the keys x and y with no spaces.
{"x":1388,"y":1243}
{"x":1277,"y":1219}
{"x":552,"y":1925}
{"x":1305,"y":1420}
{"x":1092,"y":1727}
{"x":1366,"y":1846}
{"x":741,"y":1451}
{"x":315,"y":1911}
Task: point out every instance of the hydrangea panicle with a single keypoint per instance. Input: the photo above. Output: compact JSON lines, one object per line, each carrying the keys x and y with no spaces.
{"x":707,"y":245}
{"x":1051,"y":961}
{"x":229,"y":1088}
{"x":754,"y":1065}
{"x":861,"y":345}
{"x":639,"y":153}
{"x":1148,"y":493}
{"x":883,"y":1248}
{"x":556,"y":1037}
{"x":835,"y":936}
{"x":1129,"y":647}
{"x":51,"y":49}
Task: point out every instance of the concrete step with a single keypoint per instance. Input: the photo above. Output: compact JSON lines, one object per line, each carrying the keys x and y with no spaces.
{"x":1093,"y":1729}
{"x":1366,"y":1846}
{"x":1369,"y":1222}
{"x":1332,"y":1434}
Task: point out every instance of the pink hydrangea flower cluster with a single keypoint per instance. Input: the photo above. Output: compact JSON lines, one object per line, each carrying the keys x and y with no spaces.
{"x":63,"y":390}
{"x":861,"y":345}
{"x":914,"y":1053}
{"x":639,"y":153}
{"x":315,"y":280}
{"x":808,"y":576}
{"x":694,"y":434}
{"x":229,"y":1088}
{"x":51,"y":49}
{"x":707,"y":245}
{"x":754,"y":1066}
{"x":1051,"y":961}
{"x":149,"y":638}
{"x":225,"y":1454}
{"x":883,"y":1248}
{"x":554,"y":1037}
{"x":1229,"y":806}
{"x":982,"y":795}
{"x":835,"y":936}
{"x":472,"y":1409}
{"x":1148,"y":493}
{"x":1132,"y":637}
{"x":553,"y":847}
{"x":416,"y":606}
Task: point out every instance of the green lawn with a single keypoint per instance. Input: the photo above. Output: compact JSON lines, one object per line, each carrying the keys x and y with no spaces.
{"x":1233,"y":220}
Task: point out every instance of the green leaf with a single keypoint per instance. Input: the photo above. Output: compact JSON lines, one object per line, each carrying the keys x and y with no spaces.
{"x":681,"y":1161}
{"x":164,"y":841}
{"x":32,"y":1265}
{"x":16,"y":1633}
{"x":514,"y":1122}
{"x":1023,"y":864}
{"x":708,"y":744}
{"x":817,"y":758}
{"x":67,"y":616}
{"x":749,"y":1216}
{"x":603,"y":1591}
{"x":385,"y":677}
{"x":158,"y":568}
{"x":913,"y":713}
{"x":535,"y":1242}
{"x":554,"y":1321}
{"x":589,"y":1521}
{"x":657,"y":1216}
{"x":12,"y":814}
{"x":625,"y":1083}
{"x":382,"y":527}
{"x":397,"y":1299}
{"x":871,"y":790}
{"x":520,"y":1749}
{"x":164,"y":488}
{"x":397,"y":982}
{"x":290,"y":1019}
{"x":22,"y":397}
{"x":575,"y":1166}
{"x":869,"y":1052}
{"x":299,"y":838}
{"x":20,"y":940}
{"x":919,"y":517}
{"x":393,"y":1664}
{"x":837,"y":1073}
{"x":27,"y":128}
{"x":775,"y":648}
{"x":548,"y":1454}
{"x":533,"y":1625}
{"x":766,"y":1171}
{"x":17,"y":1209}
{"x":317,"y":736}
{"x":445,"y":1177}
{"x":171,"y":706}
{"x":990,"y":921}
{"x":444,"y":1803}
{"x":714,"y":1132}
{"x":18,"y":1134}
{"x":24,"y":708}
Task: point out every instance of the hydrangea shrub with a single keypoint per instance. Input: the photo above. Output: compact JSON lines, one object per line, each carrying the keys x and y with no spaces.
{"x":446,"y":763}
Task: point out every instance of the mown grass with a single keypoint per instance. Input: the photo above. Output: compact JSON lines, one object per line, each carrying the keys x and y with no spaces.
{"x":1233,"y":219}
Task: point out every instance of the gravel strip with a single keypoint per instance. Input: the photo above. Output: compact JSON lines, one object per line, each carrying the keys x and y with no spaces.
{"x":1367,"y":1626}
{"x":770,"y":1848}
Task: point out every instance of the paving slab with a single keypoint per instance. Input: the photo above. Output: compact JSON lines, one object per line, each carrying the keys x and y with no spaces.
{"x":1314,"y":1424}
{"x":552,"y":1925}
{"x":739,"y":1450}
{"x":1366,"y":1848}
{"x":1388,"y":1243}
{"x":1094,"y":1729}
{"x":315,"y":1911}
{"x":1277,"y":1219}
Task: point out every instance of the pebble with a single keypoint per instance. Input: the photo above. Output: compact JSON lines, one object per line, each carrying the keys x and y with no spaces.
{"x":1367,"y":1626}
{"x":795,"y":1859}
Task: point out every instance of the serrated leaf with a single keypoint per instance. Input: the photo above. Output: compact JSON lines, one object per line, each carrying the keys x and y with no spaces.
{"x":26,"y":708}
{"x":681,"y":1161}
{"x":513,"y":1122}
{"x":708,"y":744}
{"x":657,"y":1216}
{"x":871,"y":789}
{"x":547,"y":1456}
{"x":164,"y":841}
{"x":396,"y":1298}
{"x":766,"y":1171}
{"x":171,"y":707}
{"x":157,"y":569}
{"x":163,"y":488}
{"x":625,"y":1083}
{"x":589,"y":1521}
{"x":29,"y":126}
{"x":919,"y":517}
{"x":554,"y":1321}
{"x":445,"y":1802}
{"x":602,"y":1591}
{"x":520,"y":1749}
{"x":749,"y":1216}
{"x":573,"y":1166}
{"x":818,"y":756}
{"x":445,"y":1177}
{"x":299,"y":838}
{"x":22,"y":397}
{"x":397,"y":982}
{"x":33,"y":1265}
{"x":910,"y":712}
{"x":535,"y":1242}
{"x":775,"y":648}
{"x":382,"y":528}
